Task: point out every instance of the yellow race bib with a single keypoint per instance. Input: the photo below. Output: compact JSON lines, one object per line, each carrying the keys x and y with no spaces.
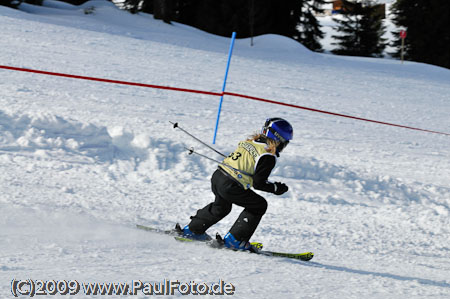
{"x":244,"y":160}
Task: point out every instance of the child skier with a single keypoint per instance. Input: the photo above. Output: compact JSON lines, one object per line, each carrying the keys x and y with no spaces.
{"x":248,"y":166}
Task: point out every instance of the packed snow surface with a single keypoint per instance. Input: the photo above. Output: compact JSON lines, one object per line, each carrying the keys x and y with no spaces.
{"x":82,"y":162}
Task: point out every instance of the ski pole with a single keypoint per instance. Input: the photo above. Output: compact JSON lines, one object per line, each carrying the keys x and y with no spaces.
{"x":175,"y":126}
{"x":192,"y":151}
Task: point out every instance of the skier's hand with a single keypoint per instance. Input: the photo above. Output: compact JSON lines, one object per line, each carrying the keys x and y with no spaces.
{"x":280,"y":188}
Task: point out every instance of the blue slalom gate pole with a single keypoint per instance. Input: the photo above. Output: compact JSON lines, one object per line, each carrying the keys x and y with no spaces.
{"x":233,"y":37}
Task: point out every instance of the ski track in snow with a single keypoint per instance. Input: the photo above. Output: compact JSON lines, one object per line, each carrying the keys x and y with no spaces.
{"x":82,"y":162}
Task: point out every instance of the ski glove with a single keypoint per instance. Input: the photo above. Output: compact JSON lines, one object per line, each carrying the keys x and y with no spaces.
{"x":280,"y":188}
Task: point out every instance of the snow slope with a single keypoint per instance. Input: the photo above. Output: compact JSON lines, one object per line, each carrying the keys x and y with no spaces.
{"x":82,"y":162}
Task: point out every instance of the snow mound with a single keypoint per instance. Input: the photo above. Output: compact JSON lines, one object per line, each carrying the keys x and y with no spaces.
{"x":44,"y":133}
{"x":341,"y":185}
{"x":47,"y":136}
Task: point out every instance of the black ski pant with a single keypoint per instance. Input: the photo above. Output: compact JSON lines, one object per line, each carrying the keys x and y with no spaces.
{"x":229,"y":192}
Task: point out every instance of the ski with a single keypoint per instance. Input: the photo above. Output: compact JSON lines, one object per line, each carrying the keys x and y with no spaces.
{"x":219,"y":244}
{"x":304,"y":256}
{"x":172,"y":232}
{"x":215,"y":243}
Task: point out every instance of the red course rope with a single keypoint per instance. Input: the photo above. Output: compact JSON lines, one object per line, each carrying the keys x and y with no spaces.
{"x":109,"y":81}
{"x":213,"y":94}
{"x":331,"y":113}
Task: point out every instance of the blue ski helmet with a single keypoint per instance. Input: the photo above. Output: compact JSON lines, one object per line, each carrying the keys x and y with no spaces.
{"x":279,"y":130}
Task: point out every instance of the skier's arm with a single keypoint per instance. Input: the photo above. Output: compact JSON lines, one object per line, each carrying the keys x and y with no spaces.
{"x":262,"y":172}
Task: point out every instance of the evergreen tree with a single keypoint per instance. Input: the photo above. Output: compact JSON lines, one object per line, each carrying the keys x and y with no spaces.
{"x":427,"y":23}
{"x":309,"y":32}
{"x":245,"y":17}
{"x":134,"y":6}
{"x":162,"y":10}
{"x":361,"y":30}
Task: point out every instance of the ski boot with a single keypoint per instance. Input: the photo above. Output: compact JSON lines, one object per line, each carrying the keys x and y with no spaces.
{"x":230,"y":242}
{"x":188,"y":234}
